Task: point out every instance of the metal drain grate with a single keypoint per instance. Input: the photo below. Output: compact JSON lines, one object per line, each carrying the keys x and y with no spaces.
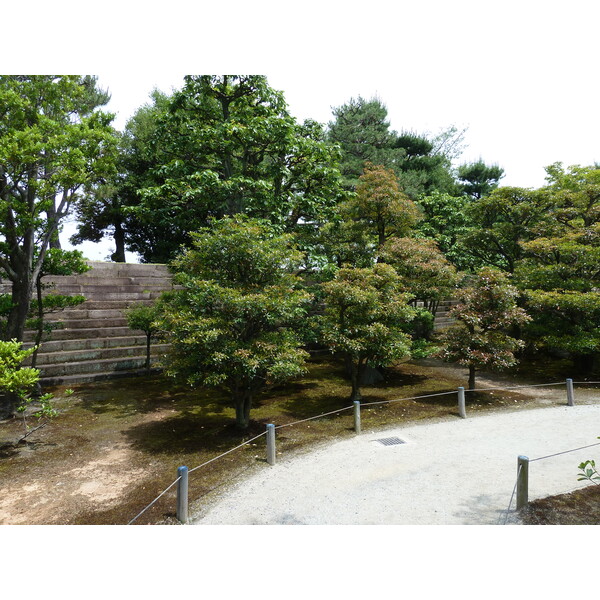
{"x":391,"y":441}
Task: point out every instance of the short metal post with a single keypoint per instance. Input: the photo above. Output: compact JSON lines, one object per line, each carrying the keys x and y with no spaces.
{"x":570,"y":396}
{"x":461,"y":403}
{"x":271,"y":444}
{"x":182,"y":494}
{"x":522,"y":482}
{"x":357,"y":416}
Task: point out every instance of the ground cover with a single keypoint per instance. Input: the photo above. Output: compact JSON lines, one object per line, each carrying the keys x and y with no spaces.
{"x":115,"y":446}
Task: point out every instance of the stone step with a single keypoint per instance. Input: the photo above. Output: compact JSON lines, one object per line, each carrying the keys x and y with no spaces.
{"x":97,"y":354}
{"x":66,"y":380}
{"x":84,"y":333}
{"x":68,"y":323}
{"x":107,"y":365}
{"x":62,"y":346}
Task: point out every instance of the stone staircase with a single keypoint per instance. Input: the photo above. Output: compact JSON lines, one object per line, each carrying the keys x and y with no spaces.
{"x":92,"y":341}
{"x":442,"y":320}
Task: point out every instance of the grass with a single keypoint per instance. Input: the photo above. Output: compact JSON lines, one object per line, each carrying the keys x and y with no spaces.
{"x":581,"y":507}
{"x":159,"y":427}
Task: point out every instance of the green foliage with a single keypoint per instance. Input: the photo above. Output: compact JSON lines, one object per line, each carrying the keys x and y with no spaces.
{"x":588,"y":472}
{"x":479,"y":338}
{"x":228,"y":145}
{"x":233,"y":323}
{"x":364,"y":318}
{"x":478,"y":179}
{"x":54,"y":148}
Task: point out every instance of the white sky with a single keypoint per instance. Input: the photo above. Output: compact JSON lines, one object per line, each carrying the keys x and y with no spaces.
{"x":521,"y":76}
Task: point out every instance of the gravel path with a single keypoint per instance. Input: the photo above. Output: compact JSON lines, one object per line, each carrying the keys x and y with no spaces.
{"x":455,"y":472}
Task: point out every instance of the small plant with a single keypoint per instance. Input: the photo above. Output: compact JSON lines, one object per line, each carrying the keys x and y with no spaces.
{"x":143,"y":317}
{"x":18,"y":384}
{"x":588,"y":472}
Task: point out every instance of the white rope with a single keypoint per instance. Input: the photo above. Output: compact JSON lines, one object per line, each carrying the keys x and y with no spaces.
{"x":412,"y":398}
{"x":312,"y":418}
{"x":153,"y":501}
{"x":225,"y":453}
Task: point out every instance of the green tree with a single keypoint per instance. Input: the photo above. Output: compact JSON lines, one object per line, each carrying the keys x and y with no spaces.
{"x":233,"y":325}
{"x":487,"y":310}
{"x":144,"y":318}
{"x":228,"y":145}
{"x":362,"y":130}
{"x":478,"y":179}
{"x":53,"y":148}
{"x":364,"y":319}
{"x":111,"y":210}
{"x":559,"y":271}
{"x":380,"y":206}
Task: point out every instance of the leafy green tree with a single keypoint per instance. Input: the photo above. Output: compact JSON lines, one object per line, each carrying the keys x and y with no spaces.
{"x":364,"y":319}
{"x":478,"y":179}
{"x":426,"y":274}
{"x":110,"y":211}
{"x":228,"y":145}
{"x":144,"y":318}
{"x":487,"y":310}
{"x":380,"y":207}
{"x":501,"y":222}
{"x":234,"y":323}
{"x":53,"y":148}
{"x":362,"y":130}
{"x":559,"y":271}
{"x":446,"y":222}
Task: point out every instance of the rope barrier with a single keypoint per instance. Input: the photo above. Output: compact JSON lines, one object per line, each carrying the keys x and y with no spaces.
{"x":411,"y":398}
{"x":153,"y":501}
{"x":228,"y":451}
{"x":516,"y":387}
{"x":317,"y":417}
{"x":565,"y":452}
{"x":512,"y":496}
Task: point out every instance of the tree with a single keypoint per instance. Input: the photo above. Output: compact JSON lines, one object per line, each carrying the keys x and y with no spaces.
{"x":233,"y":324}
{"x":559,"y":271}
{"x":52,"y":149}
{"x":478,"y":179}
{"x":501,"y":222}
{"x":365,"y":312}
{"x":479,"y":338}
{"x":144,"y":318}
{"x":362,"y":131}
{"x":228,"y":146}
{"x":110,"y":210}
{"x":380,"y":206}
{"x":425,"y":272}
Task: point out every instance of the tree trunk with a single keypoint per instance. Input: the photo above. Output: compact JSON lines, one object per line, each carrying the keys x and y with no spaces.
{"x":471,"y":377}
{"x":21,"y":299}
{"x":243,"y":404}
{"x":119,"y":237}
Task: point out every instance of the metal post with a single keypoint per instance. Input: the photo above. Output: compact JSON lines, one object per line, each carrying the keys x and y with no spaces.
{"x":271,"y":444}
{"x":461,"y":403}
{"x":570,"y":396}
{"x":182,"y":494}
{"x":522,"y":482}
{"x":357,"y":416}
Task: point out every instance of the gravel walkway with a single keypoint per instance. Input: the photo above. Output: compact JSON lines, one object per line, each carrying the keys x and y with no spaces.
{"x":455,"y":472}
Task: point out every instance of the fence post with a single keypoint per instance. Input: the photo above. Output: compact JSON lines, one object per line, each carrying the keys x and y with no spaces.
{"x":182,"y":494}
{"x":357,"y":416}
{"x":570,"y":396}
{"x":522,"y":482}
{"x":271,"y":444}
{"x":461,"y":403}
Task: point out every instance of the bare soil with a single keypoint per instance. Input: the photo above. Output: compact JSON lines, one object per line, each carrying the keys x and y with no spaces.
{"x":115,"y":446}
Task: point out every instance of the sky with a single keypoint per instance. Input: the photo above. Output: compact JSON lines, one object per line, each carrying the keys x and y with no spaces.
{"x":521,"y":76}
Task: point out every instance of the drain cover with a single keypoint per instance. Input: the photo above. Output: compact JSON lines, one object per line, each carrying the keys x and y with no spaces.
{"x":391,"y":441}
